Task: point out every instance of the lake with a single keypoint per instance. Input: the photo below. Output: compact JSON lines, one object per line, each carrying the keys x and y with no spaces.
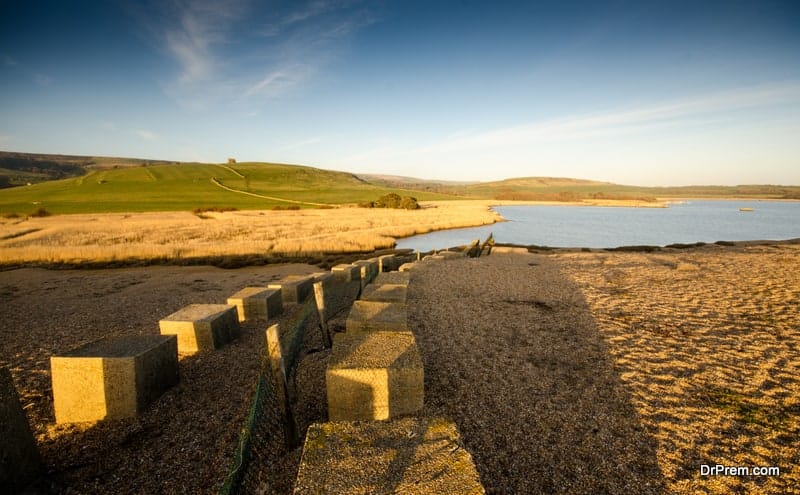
{"x":605,"y":227}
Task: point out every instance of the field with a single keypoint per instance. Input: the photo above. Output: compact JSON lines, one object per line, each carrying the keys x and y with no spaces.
{"x":183,"y":187}
{"x":181,"y":235}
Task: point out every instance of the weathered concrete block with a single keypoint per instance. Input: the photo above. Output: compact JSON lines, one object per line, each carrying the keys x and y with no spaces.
{"x":257,"y":303}
{"x":325,"y":277}
{"x":374,"y":376}
{"x":369,"y":269}
{"x":407,"y":266}
{"x":202,"y":327}
{"x":393,"y":278}
{"x":414,"y":456}
{"x":392,"y":293}
{"x":346,"y":273}
{"x":373,"y":316}
{"x":20,"y":463}
{"x":509,"y":250}
{"x":294,"y":288}
{"x":113,"y":378}
{"x":387,"y":262}
{"x":449,"y":255}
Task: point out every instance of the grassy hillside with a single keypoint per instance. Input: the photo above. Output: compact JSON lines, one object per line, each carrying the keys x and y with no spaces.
{"x":189,"y":186}
{"x":563,"y":189}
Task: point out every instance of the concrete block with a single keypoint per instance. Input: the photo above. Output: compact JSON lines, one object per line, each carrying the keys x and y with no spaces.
{"x":391,"y":293}
{"x":369,"y":269}
{"x":202,"y":327}
{"x":294,"y":288}
{"x":113,"y":378}
{"x":374,"y":376}
{"x":257,"y":303}
{"x":372,"y":316}
{"x":407,"y":266}
{"x":325,"y":277}
{"x":413,"y":456}
{"x":433,"y":257}
{"x":393,"y":278}
{"x":387,"y":262}
{"x":346,"y":273}
{"x":509,"y":250}
{"x":20,"y":463}
{"x":450,"y":255}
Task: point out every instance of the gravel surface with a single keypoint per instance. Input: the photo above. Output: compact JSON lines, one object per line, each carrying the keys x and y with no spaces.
{"x":184,"y":442}
{"x":565,"y":373}
{"x":512,"y":354}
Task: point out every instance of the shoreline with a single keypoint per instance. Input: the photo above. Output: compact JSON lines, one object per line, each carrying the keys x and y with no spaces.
{"x":247,"y":237}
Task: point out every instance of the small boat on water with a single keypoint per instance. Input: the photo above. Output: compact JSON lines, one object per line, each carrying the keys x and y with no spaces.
{"x":746,"y":208}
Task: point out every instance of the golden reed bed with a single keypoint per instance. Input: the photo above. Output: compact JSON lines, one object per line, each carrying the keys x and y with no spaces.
{"x":106,"y":237}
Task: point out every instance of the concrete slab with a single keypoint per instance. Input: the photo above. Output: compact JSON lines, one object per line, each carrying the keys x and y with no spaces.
{"x":374,"y":376}
{"x":113,"y":378}
{"x":20,"y":463}
{"x":202,"y":327}
{"x":392,"y":293}
{"x":413,"y":456}
{"x":346,"y":273}
{"x":393,"y":278}
{"x":257,"y":303}
{"x":373,"y":316}
{"x":294,"y":288}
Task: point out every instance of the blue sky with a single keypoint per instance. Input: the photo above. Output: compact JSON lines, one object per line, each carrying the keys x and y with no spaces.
{"x":634,"y":92}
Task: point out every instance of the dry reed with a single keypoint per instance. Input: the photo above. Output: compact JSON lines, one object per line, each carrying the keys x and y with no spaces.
{"x":174,"y":235}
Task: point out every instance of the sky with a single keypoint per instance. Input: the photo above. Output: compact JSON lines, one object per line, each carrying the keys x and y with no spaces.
{"x":633,"y":92}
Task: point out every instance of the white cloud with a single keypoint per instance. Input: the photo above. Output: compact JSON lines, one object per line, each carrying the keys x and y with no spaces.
{"x":273,"y":56}
{"x":146,"y":134}
{"x":8,"y":61}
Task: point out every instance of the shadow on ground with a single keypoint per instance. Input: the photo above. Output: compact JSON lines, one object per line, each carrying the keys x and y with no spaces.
{"x":512,"y":354}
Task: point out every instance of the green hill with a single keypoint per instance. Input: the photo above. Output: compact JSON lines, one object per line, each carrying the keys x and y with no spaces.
{"x":190,"y":186}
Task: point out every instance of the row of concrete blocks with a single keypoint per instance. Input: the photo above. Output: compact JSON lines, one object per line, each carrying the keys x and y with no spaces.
{"x":117,"y":377}
{"x":374,"y":383}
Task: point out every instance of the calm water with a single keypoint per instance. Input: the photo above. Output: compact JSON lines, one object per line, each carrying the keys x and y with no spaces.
{"x":599,"y":227}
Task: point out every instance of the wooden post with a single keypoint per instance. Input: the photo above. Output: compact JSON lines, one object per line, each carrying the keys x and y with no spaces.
{"x":279,"y":373}
{"x":319,"y":295}
{"x":419,"y":255}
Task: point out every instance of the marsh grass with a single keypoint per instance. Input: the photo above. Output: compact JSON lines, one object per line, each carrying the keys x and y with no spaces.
{"x":76,"y":239}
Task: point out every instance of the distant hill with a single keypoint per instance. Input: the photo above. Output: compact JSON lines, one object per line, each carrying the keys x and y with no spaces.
{"x":84,"y":184}
{"x":189,"y":186}
{"x":566,"y":189}
{"x":18,"y":169}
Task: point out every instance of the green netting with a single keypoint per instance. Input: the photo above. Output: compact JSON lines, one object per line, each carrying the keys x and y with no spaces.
{"x":265,"y":433}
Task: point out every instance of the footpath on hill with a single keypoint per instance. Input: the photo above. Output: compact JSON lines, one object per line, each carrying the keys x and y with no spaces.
{"x":512,"y":354}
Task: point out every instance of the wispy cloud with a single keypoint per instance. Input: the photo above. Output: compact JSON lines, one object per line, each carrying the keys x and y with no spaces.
{"x":623,"y":121}
{"x":246,"y":52}
{"x":9,"y":61}
{"x":146,"y":134}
